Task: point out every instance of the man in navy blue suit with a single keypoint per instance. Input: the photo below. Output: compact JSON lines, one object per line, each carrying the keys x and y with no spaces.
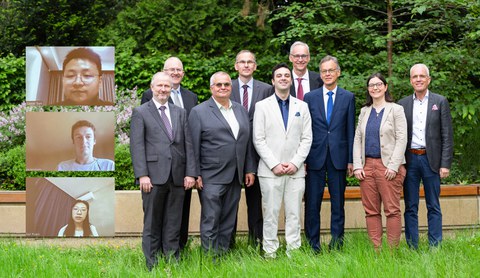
{"x":333,"y":124}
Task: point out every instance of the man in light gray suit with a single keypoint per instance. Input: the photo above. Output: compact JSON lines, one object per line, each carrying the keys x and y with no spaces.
{"x":223,"y":152}
{"x":164,"y":166}
{"x":248,"y":91}
{"x":429,"y":154}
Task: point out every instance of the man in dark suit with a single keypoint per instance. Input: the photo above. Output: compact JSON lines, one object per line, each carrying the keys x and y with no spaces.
{"x":333,"y":124}
{"x":429,"y":154}
{"x":164,"y":166}
{"x":179,"y":96}
{"x":304,"y":80}
{"x":223,"y":150}
{"x":184,"y":98}
{"x":248,"y":91}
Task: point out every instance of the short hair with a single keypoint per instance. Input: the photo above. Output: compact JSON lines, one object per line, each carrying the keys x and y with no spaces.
{"x":84,"y":53}
{"x":173,"y":58}
{"x":299,"y":43}
{"x":278,"y":66}
{"x":423,"y":66}
{"x":82,"y":123}
{"x":328,"y":58}
{"x":162,"y":73}
{"x":388,"y":96}
{"x":212,"y":78}
{"x":245,"y":51}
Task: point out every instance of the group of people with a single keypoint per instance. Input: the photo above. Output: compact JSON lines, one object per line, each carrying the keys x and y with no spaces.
{"x":284,"y":143}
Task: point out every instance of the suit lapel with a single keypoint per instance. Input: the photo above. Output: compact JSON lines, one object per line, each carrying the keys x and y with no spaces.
{"x":219,"y":116}
{"x":175,"y":119}
{"x":386,"y":112}
{"x":156,"y":115}
{"x":322,"y":105}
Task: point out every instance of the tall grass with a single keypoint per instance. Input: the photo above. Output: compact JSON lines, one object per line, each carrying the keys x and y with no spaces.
{"x":459,"y":256}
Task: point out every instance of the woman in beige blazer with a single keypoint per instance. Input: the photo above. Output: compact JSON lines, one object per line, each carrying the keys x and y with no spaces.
{"x":378,"y":158}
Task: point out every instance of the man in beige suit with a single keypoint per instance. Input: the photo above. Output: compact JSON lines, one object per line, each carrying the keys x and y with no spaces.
{"x":282,"y":136}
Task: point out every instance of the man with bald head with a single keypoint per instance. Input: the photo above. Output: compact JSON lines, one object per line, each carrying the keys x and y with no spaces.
{"x":164,"y":167}
{"x":179,"y":96}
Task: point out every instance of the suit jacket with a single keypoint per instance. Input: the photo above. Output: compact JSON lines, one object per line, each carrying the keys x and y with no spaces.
{"x":438,"y":130}
{"x":260,"y":90}
{"x":337,"y":137}
{"x":314,"y":80}
{"x":217,"y":153}
{"x":153,"y":153}
{"x":393,"y":137}
{"x":274,"y":143}
{"x":189,"y":98}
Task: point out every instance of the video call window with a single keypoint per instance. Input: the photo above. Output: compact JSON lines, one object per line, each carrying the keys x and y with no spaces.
{"x":70,"y":141}
{"x":68,"y":76}
{"x":70,"y":207}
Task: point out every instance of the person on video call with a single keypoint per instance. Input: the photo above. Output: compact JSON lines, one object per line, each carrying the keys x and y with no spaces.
{"x":79,"y":224}
{"x":83,"y":137}
{"x":82,"y":78}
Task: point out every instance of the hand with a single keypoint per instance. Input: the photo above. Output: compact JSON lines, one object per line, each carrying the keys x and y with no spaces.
{"x":145,"y":184}
{"x":350,"y":169}
{"x":278,"y":170}
{"x":188,"y":182}
{"x":444,"y":173}
{"x":390,"y":174}
{"x":359,"y":174}
{"x":289,"y":168}
{"x":199,"y":183}
{"x":249,"y":179}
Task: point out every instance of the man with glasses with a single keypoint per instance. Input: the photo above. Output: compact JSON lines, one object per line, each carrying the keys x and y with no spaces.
{"x":248,"y":91}
{"x":333,"y":124}
{"x":82,"y":78}
{"x":179,"y":96}
{"x":186,"y":99}
{"x":223,"y":149}
{"x":429,"y":154}
{"x":304,"y":80}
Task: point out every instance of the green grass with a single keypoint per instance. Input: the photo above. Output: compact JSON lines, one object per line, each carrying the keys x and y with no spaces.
{"x":459,"y":256}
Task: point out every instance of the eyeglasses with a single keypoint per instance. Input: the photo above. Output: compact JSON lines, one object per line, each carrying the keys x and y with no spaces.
{"x":173,"y":70}
{"x":329,"y":71}
{"x":84,"y":77}
{"x":248,"y":63}
{"x":220,"y":85}
{"x":298,"y":56}
{"x":379,"y":85}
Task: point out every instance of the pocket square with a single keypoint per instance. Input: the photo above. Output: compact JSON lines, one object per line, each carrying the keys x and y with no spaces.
{"x":297,"y":114}
{"x":434,"y":107}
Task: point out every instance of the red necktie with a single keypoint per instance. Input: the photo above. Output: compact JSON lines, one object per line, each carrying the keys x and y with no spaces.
{"x":300,"y":89}
{"x":245,"y":96}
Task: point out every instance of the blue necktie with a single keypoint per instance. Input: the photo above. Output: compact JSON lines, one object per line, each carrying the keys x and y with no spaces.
{"x":285,"y":113}
{"x":329,"y":106}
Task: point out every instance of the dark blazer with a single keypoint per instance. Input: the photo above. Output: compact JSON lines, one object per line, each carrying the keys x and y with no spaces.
{"x":438,"y":131}
{"x":261,"y":90}
{"x":314,"y":80}
{"x":153,"y":153}
{"x":189,"y":98}
{"x":217,"y":152}
{"x":338,"y":136}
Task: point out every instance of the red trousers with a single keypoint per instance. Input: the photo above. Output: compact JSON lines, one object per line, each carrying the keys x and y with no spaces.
{"x":377,"y":190}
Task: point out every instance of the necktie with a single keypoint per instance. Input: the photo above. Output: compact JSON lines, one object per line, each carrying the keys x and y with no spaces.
{"x":329,"y":106}
{"x":284,"y":113}
{"x":166,"y":122}
{"x":176,"y":98}
{"x":300,"y":89}
{"x":245,"y":96}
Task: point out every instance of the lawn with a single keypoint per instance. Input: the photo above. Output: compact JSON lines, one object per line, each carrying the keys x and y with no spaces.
{"x":459,"y":256}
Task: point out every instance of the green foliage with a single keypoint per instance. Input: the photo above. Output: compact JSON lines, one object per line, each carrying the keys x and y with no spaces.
{"x":124,"y":177}
{"x":12,"y":168}
{"x":12,"y":81}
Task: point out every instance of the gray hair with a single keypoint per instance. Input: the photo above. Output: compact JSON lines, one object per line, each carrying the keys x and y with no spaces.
{"x":299,"y":43}
{"x":329,"y":58}
{"x":212,"y":78}
{"x":421,"y":65}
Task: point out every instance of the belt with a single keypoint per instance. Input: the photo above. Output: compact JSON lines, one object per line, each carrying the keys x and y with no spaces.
{"x":418,"y":151}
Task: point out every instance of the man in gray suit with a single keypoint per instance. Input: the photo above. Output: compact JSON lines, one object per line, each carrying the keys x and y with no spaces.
{"x":164,"y":166}
{"x":248,"y":91}
{"x":429,"y":154}
{"x":303,"y":80}
{"x":223,"y":152}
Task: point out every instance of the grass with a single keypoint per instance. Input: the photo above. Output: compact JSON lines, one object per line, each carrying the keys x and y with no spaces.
{"x":459,"y":256}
